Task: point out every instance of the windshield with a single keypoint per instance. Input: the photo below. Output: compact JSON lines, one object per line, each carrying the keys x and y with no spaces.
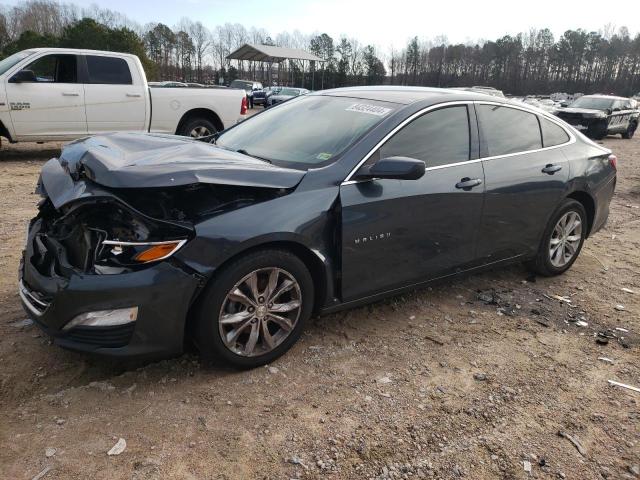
{"x":594,"y":103}
{"x":307,"y":132}
{"x":290,"y":91}
{"x":9,"y":62}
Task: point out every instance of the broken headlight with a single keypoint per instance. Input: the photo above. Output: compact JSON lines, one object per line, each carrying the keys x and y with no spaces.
{"x":121,"y":253}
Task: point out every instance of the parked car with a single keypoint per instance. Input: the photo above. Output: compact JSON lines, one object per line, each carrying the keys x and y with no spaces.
{"x":63,"y":94}
{"x":270,"y":91}
{"x":251,"y":88}
{"x":328,"y":201}
{"x":284,"y":94}
{"x":601,"y":115}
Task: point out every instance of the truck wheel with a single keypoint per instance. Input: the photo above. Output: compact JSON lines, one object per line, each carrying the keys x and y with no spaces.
{"x":197,"y":127}
{"x":562,"y":240}
{"x":255,"y":309}
{"x":631,"y":129}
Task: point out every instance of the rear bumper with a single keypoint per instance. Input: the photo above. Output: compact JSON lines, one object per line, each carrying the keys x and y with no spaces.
{"x":162,"y":293}
{"x":602,"y":200}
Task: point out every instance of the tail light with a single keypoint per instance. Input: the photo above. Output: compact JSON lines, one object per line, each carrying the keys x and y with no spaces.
{"x":243,"y":105}
{"x":613,"y":161}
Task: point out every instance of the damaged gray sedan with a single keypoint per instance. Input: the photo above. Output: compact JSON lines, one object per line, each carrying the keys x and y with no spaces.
{"x":328,"y":201}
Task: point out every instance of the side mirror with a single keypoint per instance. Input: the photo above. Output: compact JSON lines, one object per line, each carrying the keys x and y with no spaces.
{"x":617,"y":109}
{"x":24,"y":76}
{"x":398,"y":168}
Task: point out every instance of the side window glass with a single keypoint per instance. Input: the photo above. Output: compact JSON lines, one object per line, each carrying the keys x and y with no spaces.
{"x":108,"y":70}
{"x":508,"y":130}
{"x":552,"y":134}
{"x":438,"y":138}
{"x":55,"y":69}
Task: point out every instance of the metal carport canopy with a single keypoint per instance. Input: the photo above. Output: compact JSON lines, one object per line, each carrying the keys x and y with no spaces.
{"x":271,"y":54}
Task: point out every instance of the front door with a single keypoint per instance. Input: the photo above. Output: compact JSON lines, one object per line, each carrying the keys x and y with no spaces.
{"x":53,"y":105}
{"x":400,"y":232}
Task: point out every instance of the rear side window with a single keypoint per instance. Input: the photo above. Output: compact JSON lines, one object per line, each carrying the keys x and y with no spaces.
{"x":508,"y":130}
{"x":438,"y":138}
{"x":55,"y":69}
{"x":108,"y":70}
{"x":552,"y":134}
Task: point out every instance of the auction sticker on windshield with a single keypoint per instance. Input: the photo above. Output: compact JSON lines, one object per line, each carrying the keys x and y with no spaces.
{"x":367,"y":108}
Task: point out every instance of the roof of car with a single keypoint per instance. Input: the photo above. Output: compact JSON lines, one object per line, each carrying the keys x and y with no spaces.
{"x":600,"y":95}
{"x":407,"y":95}
{"x":79,"y":51}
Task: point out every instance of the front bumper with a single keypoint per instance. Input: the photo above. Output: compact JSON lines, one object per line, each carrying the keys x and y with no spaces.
{"x":163,"y":294}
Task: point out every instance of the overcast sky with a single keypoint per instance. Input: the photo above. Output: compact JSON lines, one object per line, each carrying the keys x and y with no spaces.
{"x":386,"y":23}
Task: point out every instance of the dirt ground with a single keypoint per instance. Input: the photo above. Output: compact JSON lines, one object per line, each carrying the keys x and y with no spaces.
{"x":471,"y":379}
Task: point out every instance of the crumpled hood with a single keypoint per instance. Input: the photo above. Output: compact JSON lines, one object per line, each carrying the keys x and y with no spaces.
{"x":584,"y":111}
{"x":137,"y":160}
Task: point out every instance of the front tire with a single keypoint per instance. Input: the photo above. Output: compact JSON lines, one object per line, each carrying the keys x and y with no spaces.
{"x":597,"y":130}
{"x":562,"y":240}
{"x":255,"y":309}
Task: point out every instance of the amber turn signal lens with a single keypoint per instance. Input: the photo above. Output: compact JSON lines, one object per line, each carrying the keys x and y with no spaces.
{"x":157,"y":252}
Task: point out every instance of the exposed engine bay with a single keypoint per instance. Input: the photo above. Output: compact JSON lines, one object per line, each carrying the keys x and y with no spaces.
{"x":108,"y":233}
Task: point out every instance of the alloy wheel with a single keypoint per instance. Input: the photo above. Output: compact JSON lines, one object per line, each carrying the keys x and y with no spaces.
{"x":260,"y":312}
{"x":199,"y":132}
{"x":565,"y":239}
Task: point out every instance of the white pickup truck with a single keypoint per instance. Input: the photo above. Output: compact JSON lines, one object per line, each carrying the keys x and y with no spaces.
{"x":61,"y":94}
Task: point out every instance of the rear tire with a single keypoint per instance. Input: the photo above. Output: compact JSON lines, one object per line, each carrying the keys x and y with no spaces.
{"x":197,"y":127}
{"x":561,"y":241}
{"x":631,"y":129}
{"x":232,"y":309}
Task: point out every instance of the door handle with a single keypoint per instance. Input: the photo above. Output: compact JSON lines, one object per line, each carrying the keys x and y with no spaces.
{"x":467,"y":183}
{"x":70,"y":94}
{"x":551,"y":169}
{"x":135,"y":95}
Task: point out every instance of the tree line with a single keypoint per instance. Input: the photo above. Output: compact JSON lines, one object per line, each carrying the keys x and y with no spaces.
{"x":534,"y":62}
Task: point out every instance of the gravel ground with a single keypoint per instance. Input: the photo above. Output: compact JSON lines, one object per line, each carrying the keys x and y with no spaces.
{"x":473,"y":379}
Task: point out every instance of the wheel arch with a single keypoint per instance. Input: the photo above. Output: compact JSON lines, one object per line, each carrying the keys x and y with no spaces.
{"x":313,"y":260}
{"x":4,"y":132}
{"x":589,"y":205}
{"x":207,"y":113}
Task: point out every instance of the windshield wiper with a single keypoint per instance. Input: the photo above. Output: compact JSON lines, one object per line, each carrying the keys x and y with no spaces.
{"x":244,"y":152}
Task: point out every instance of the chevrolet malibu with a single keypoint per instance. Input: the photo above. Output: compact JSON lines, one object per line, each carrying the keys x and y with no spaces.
{"x":328,"y":201}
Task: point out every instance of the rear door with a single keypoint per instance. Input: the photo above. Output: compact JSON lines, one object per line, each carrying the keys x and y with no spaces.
{"x":400,"y":232}
{"x":115,"y":95}
{"x":620,"y":116}
{"x":53,"y":105}
{"x":525,"y":179}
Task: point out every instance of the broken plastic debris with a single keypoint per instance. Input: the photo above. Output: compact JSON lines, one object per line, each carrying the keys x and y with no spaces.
{"x":582,"y":323}
{"x":620,"y":308}
{"x":605,"y":359}
{"x":559,"y":298}
{"x":627,"y":290}
{"x":27,"y":322}
{"x":624,"y":385}
{"x":575,"y":441}
{"x":118,"y":448}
